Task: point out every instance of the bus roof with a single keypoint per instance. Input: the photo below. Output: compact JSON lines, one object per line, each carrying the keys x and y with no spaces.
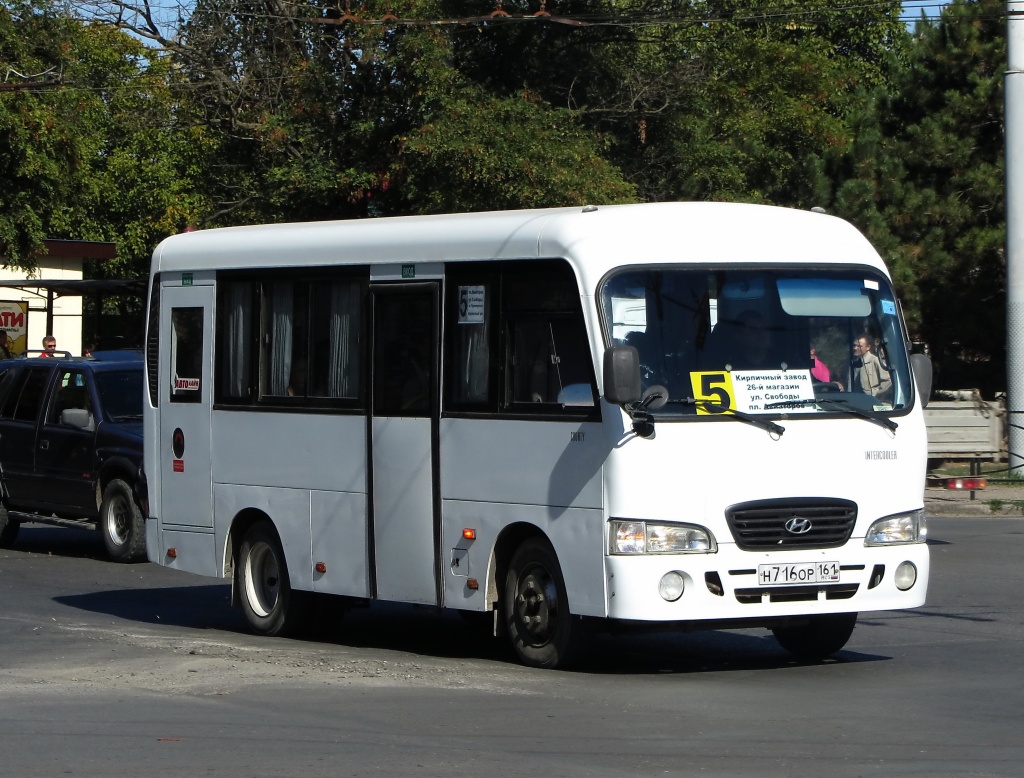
{"x":594,"y":239}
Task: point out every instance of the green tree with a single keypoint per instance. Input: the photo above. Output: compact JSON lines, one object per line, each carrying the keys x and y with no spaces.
{"x":701,"y":99}
{"x":100,"y":155}
{"x":925,"y":181}
{"x":311,"y":116}
{"x":39,"y":154}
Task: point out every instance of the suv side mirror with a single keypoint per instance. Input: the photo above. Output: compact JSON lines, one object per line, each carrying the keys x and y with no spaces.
{"x":78,"y":418}
{"x":621,"y":375}
{"x":921,"y":364}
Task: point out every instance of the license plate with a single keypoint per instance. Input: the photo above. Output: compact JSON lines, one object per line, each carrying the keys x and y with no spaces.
{"x":798,"y":573}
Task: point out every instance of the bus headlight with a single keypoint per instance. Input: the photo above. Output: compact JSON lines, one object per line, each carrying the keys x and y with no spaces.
{"x":645,"y":537}
{"x":901,"y":528}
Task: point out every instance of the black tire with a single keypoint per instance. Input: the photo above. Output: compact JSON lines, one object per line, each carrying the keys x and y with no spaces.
{"x":536,"y":609}
{"x":121,"y":523}
{"x":818,"y":639}
{"x":269,"y":604}
{"x":8,"y":529}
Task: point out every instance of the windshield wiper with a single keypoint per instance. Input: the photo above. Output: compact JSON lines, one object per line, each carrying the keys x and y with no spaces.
{"x":721,"y":409}
{"x":844,"y":405}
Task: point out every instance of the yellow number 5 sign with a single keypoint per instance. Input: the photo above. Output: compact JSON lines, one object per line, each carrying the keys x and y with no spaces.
{"x":715,"y":390}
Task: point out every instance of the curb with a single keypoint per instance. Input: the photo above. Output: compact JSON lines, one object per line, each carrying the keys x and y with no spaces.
{"x":1005,"y":502}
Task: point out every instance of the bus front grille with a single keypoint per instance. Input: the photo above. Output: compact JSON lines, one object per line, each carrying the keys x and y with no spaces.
{"x":793,"y":523}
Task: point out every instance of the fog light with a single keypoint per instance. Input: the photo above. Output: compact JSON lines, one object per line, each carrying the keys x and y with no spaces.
{"x":906,"y":576}
{"x":671,"y":586}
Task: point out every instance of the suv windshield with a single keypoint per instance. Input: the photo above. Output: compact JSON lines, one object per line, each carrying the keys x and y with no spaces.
{"x":763,"y":341}
{"x":121,"y":394}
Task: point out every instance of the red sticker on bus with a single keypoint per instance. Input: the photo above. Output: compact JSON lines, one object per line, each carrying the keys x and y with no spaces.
{"x":179,"y":465}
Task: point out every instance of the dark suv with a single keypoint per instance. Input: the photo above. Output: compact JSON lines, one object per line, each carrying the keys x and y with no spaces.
{"x":71,"y":447}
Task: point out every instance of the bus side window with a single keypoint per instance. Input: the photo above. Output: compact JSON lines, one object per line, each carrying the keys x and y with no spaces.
{"x":186,"y":354}
{"x":551,"y":362}
{"x":534,"y":362}
{"x":335,"y":331}
{"x":285,"y":358}
{"x":472,"y":384}
{"x":235,"y":337}
{"x":517,"y":339}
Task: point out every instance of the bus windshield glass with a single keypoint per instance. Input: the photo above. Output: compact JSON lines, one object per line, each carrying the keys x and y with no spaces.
{"x":762,"y":341}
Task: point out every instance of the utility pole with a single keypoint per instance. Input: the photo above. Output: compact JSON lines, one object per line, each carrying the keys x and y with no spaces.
{"x":1014,"y":130}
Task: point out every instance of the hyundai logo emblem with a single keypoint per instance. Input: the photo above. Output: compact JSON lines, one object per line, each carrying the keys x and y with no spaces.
{"x":798,"y":525}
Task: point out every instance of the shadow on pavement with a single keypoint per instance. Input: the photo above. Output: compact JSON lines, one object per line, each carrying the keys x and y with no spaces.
{"x":68,"y":542}
{"x":194,"y":607}
{"x":428,"y":632}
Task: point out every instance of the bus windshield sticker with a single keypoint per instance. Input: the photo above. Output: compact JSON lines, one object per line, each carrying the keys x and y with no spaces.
{"x":471,"y":305}
{"x":870,"y":283}
{"x":889,"y":307}
{"x":749,"y":391}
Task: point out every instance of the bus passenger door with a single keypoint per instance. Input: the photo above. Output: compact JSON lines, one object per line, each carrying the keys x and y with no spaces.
{"x":185,"y":395}
{"x":403,"y":442}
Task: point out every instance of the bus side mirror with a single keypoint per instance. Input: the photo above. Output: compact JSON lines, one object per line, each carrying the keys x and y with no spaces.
{"x":921,"y":364}
{"x":621,"y":375}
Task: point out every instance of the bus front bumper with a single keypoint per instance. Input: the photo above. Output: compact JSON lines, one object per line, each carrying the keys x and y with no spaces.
{"x":738,"y":585}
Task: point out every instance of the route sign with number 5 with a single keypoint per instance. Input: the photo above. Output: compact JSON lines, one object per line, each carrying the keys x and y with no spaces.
{"x":713,"y":387}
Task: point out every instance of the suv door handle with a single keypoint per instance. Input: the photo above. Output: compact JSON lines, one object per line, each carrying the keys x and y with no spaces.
{"x":44,"y":444}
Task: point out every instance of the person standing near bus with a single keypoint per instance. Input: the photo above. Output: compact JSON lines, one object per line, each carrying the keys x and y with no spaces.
{"x":49,"y":346}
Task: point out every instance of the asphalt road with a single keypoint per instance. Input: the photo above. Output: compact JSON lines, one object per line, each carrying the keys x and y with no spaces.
{"x":136,"y":670}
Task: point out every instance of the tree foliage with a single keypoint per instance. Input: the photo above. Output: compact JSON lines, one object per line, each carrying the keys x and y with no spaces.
{"x":275,"y":110}
{"x":99,"y":153}
{"x":925,"y":180}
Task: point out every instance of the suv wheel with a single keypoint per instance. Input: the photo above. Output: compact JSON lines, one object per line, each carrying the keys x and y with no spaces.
{"x":122,"y":524}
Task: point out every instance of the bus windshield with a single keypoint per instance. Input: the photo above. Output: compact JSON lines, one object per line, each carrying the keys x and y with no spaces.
{"x":763,"y":341}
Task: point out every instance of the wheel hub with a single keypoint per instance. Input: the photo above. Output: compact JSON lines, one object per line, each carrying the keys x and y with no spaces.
{"x":536,"y":605}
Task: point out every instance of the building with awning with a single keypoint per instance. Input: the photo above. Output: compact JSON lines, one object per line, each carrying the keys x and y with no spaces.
{"x":49,"y":301}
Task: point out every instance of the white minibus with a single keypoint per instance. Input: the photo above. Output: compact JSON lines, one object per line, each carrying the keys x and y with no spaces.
{"x":663,"y":416}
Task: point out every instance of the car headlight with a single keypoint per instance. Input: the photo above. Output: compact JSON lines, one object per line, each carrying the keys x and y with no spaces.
{"x":645,"y":537}
{"x":901,"y":528}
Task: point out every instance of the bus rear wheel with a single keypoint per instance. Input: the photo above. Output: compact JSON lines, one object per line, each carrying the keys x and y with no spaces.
{"x":536,"y":608}
{"x":821,"y":637}
{"x":267,"y":598}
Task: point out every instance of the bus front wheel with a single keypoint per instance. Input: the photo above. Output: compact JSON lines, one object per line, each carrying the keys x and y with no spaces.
{"x":543,"y":632}
{"x":821,"y":637}
{"x":266,"y":595}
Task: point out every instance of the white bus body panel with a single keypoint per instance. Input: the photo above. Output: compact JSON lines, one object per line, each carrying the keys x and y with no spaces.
{"x":317,"y":503}
{"x":403,"y":510}
{"x":495,"y":473}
